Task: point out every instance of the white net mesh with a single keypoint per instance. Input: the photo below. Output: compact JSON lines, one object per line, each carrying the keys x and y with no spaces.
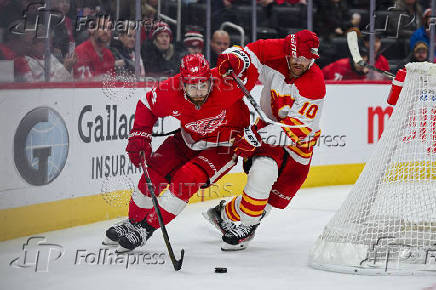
{"x":387,"y":225}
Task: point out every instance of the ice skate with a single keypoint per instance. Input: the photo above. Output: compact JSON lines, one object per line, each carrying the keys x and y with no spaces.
{"x":115,"y":232}
{"x":238,"y":237}
{"x":135,"y":237}
{"x":213,"y":215}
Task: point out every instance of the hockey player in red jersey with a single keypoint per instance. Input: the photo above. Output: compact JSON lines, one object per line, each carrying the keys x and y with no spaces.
{"x":211,"y":111}
{"x":278,"y":157}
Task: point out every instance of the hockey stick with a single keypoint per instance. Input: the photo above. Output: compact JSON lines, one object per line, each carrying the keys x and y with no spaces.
{"x":176,"y":263}
{"x":353,"y":46}
{"x":258,"y":109}
{"x":165,"y":134}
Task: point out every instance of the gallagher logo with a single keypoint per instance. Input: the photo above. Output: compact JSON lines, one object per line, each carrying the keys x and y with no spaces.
{"x":41,"y":146}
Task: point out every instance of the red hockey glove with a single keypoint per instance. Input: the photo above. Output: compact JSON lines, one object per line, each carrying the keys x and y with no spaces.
{"x":235,"y":59}
{"x":139,"y":141}
{"x":246,"y":145}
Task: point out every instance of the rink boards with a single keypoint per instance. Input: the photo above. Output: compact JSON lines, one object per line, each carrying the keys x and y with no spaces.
{"x":61,"y":145}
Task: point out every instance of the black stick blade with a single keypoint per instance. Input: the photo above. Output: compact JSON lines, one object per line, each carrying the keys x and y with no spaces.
{"x":178,"y":264}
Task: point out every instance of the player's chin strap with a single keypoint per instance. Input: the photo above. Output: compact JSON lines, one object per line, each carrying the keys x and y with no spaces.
{"x":177,"y":264}
{"x":256,"y":107}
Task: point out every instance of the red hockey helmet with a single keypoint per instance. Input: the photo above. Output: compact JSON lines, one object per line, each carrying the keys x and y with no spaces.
{"x":196,"y":78}
{"x":303,"y":43}
{"x":194,"y":68}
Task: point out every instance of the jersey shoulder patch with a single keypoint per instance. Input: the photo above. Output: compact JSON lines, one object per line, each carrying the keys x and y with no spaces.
{"x":311,"y":84}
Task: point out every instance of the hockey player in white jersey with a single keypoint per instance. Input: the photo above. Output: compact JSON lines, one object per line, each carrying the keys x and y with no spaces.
{"x":276,"y":158}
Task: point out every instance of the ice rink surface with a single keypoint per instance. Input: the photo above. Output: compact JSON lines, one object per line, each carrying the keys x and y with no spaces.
{"x":276,"y":259}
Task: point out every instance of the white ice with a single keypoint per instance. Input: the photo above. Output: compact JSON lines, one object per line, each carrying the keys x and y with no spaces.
{"x":276,"y":259}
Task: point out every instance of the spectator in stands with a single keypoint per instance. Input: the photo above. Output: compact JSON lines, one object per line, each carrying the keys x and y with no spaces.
{"x":160,"y":55}
{"x":419,"y":54}
{"x":193,"y":42}
{"x":94,"y":59}
{"x":346,"y":69}
{"x":422,"y":33}
{"x":15,"y":47}
{"x":380,"y":61}
{"x":85,"y":8}
{"x":220,"y":42}
{"x":63,"y":41}
{"x":123,"y":50}
{"x":35,"y":59}
{"x":405,"y":18}
{"x":331,"y":18}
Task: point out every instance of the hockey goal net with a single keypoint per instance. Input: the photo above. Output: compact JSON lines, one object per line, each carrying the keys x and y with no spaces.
{"x":387,"y":225}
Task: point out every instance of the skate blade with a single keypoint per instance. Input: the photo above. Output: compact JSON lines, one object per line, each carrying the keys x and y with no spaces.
{"x":232,"y":248}
{"x":121,"y":250}
{"x":109,"y":243}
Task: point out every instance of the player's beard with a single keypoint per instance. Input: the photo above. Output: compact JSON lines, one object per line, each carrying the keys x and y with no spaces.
{"x":297,"y":70}
{"x":198,"y":101}
{"x":100,"y":40}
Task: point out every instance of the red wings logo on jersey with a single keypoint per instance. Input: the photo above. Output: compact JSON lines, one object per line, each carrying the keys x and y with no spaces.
{"x":207,"y":125}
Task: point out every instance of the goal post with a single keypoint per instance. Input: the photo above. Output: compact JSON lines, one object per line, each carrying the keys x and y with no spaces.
{"x":387,"y":224}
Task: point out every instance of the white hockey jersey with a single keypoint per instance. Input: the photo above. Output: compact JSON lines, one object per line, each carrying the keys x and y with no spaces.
{"x":296,"y":101}
{"x":58,"y":73}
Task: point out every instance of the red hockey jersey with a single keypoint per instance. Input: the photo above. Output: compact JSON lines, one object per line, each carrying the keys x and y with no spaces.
{"x":292,"y":101}
{"x":22,"y":70}
{"x":341,"y":69}
{"x":90,"y":64}
{"x":213,"y":124}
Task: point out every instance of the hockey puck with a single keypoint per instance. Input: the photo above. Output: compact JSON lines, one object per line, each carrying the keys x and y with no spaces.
{"x":220,"y":270}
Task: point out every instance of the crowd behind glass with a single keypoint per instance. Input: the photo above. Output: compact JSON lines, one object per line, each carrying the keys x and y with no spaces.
{"x":86,"y":40}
